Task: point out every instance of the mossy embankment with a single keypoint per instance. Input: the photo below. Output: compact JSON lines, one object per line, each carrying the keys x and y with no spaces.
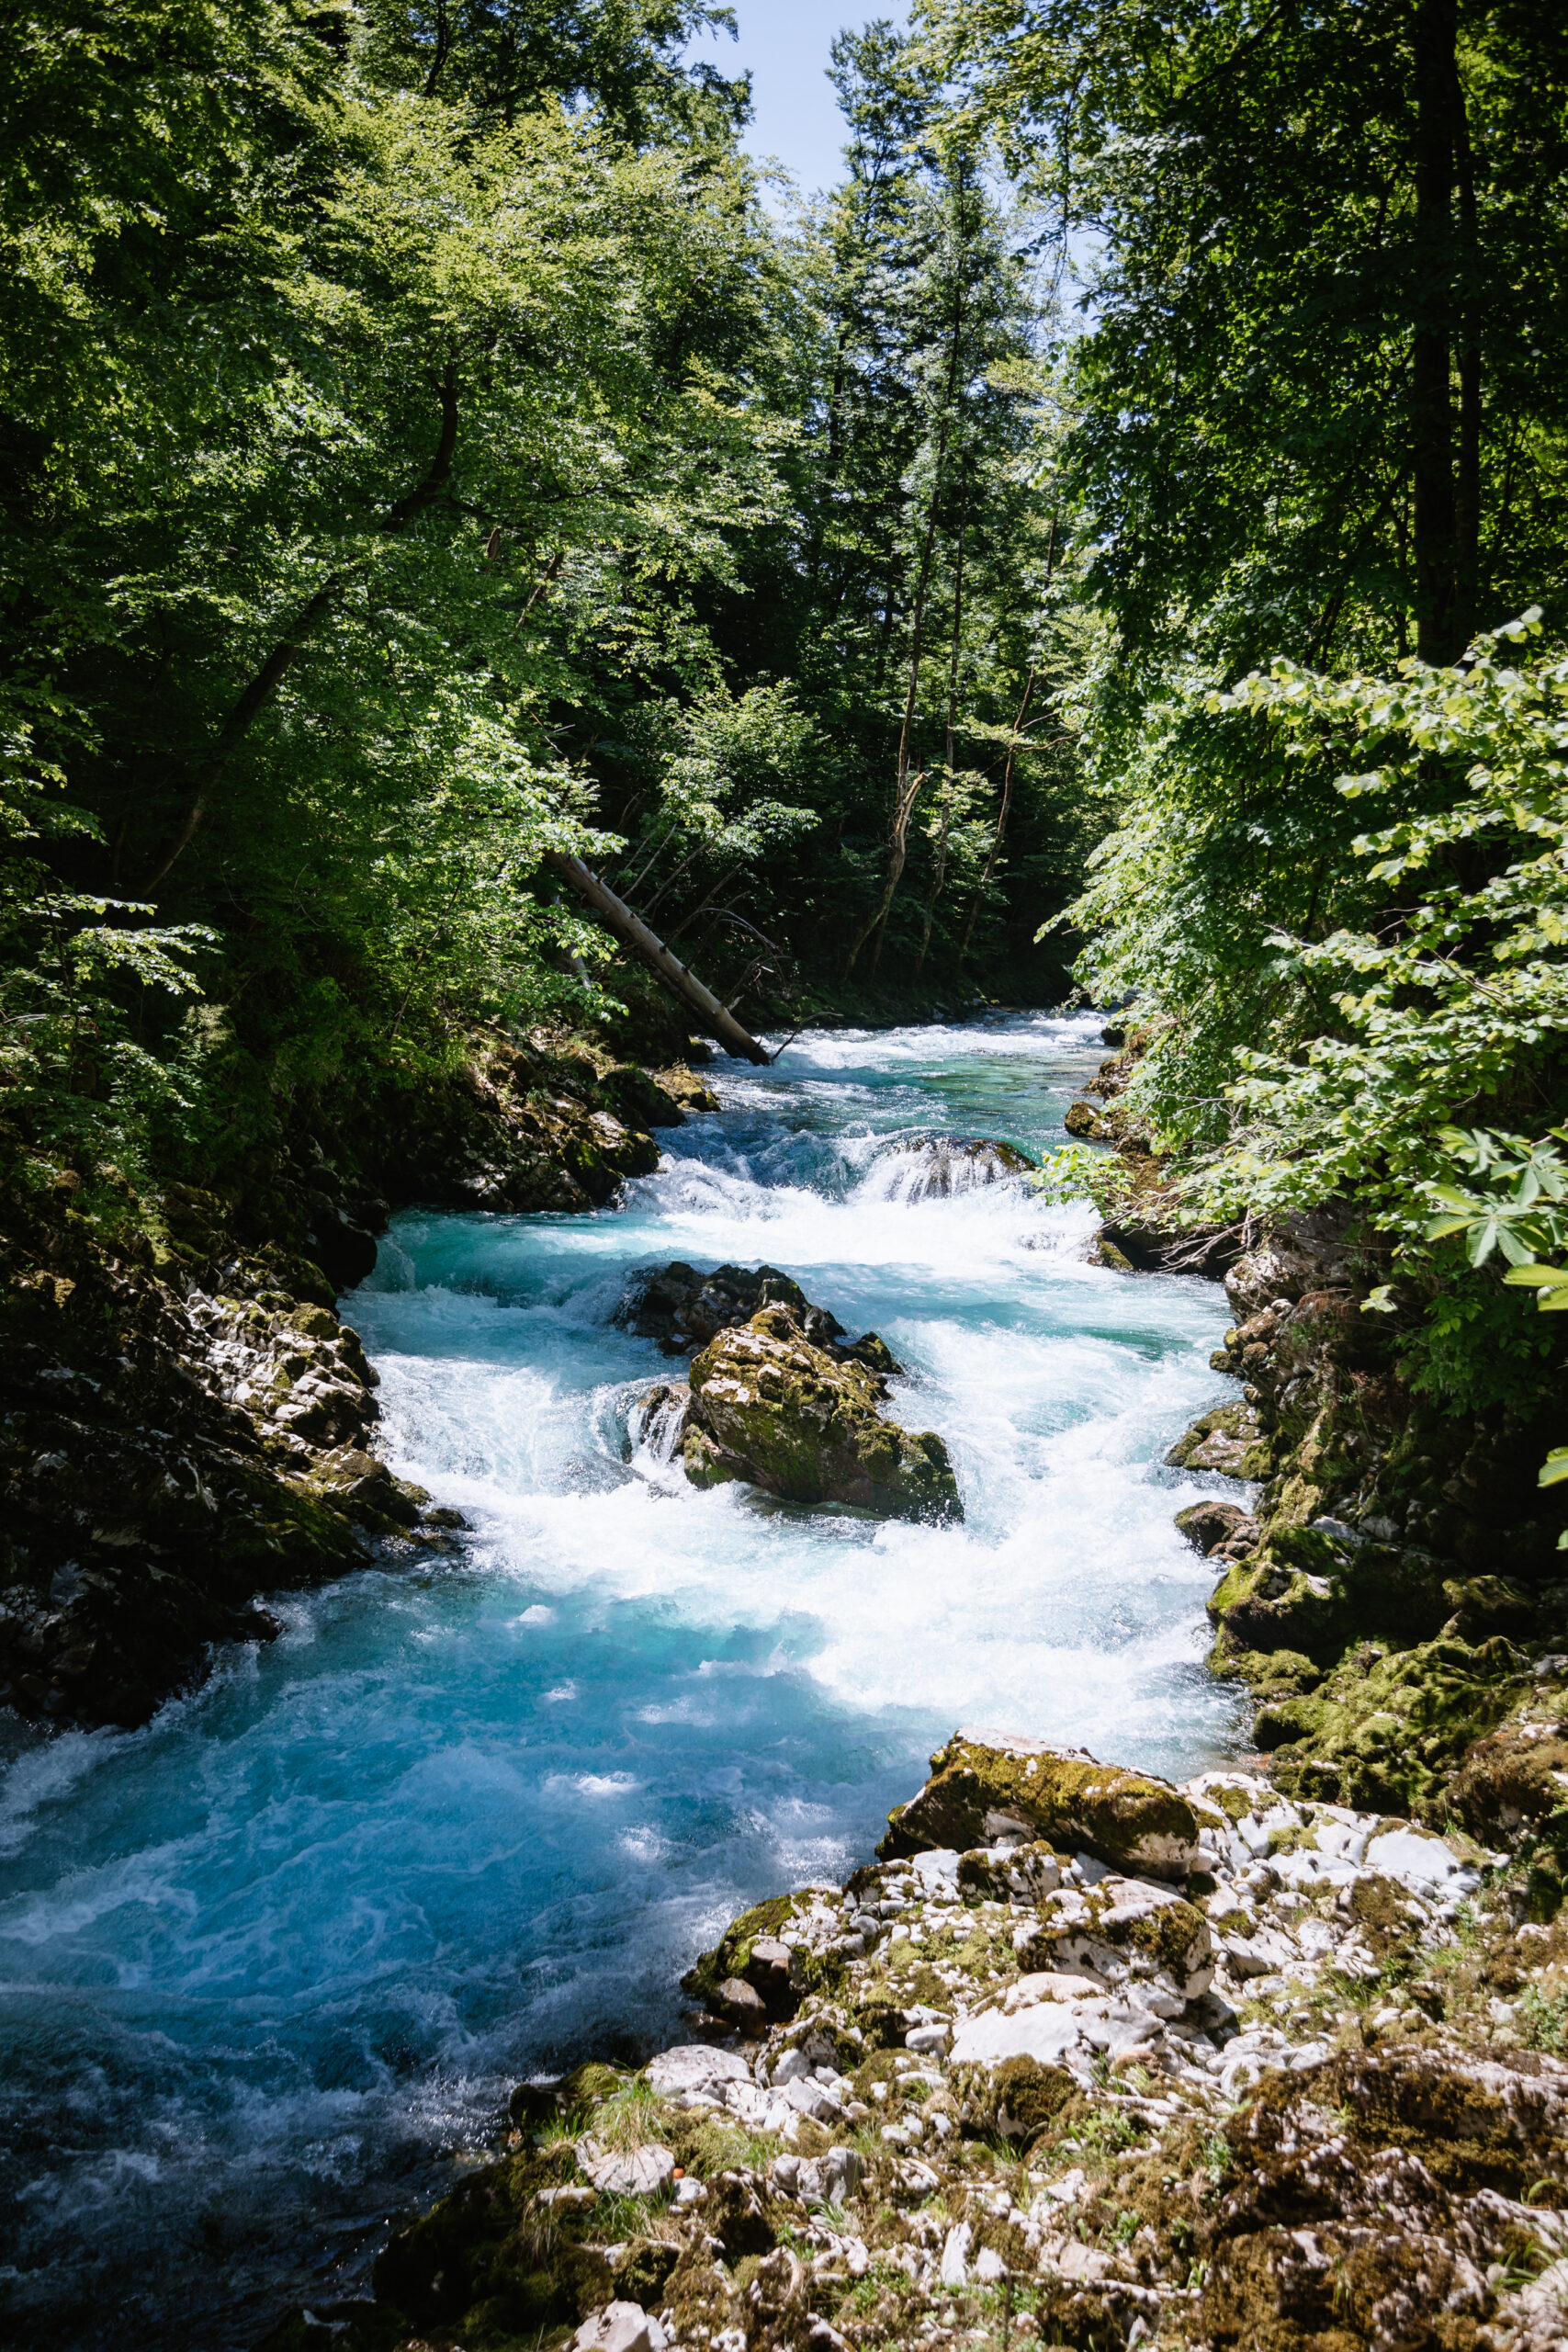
{"x":1389,"y":1582}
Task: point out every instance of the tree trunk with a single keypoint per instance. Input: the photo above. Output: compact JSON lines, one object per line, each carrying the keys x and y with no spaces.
{"x":650,"y":950}
{"x":995,"y":850}
{"x":939,"y":875}
{"x":1433,"y":29}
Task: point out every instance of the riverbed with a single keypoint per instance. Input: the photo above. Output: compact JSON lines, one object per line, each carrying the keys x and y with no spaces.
{"x":268,"y":1966}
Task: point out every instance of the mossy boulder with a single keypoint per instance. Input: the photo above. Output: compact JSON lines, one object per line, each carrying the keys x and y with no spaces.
{"x":683,"y":1307}
{"x":1387,"y":1730}
{"x":984,"y":1787}
{"x":769,"y":1408}
{"x":748,"y":1954}
{"x":1230,"y":1439}
{"x":1016,"y":2100}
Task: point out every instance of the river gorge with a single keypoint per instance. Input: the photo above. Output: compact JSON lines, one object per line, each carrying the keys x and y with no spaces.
{"x":274,"y":1960}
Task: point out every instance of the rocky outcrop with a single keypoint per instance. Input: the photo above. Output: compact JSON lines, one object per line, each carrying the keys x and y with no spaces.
{"x":1394,"y":1587}
{"x":185,"y":1423}
{"x":684,"y":1309}
{"x":545,"y":1123}
{"x":984,"y":1787}
{"x":1311,"y":2098}
{"x":769,"y":1406}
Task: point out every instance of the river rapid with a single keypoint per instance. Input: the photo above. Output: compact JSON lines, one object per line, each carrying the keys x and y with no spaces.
{"x":269,"y":1964}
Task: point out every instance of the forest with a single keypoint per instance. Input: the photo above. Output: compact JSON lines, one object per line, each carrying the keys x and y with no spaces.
{"x":1112,"y":540}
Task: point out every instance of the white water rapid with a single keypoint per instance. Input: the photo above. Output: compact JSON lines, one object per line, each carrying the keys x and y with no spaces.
{"x":266,"y":1964}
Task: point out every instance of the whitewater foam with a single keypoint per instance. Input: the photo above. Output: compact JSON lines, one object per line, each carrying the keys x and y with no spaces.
{"x":470,"y":1818}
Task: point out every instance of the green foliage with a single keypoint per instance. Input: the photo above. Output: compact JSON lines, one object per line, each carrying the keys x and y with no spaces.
{"x":1077,"y":1171}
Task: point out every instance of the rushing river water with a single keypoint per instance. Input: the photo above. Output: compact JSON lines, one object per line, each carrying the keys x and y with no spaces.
{"x":267,"y":1962}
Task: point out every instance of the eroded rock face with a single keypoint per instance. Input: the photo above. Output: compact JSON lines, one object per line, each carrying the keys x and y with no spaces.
{"x":985,"y":1786}
{"x":769,"y":1406}
{"x":184,"y":1426}
{"x":1396,"y":1579}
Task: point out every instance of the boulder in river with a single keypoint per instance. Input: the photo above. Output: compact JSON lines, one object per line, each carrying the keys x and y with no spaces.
{"x":684,"y":1308}
{"x":769,"y":1406}
{"x":984,"y":1787}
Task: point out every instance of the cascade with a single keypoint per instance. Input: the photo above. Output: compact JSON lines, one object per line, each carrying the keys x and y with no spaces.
{"x":266,"y":1964}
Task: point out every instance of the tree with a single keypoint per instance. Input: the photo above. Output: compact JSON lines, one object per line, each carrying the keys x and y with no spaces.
{"x":1323,"y":387}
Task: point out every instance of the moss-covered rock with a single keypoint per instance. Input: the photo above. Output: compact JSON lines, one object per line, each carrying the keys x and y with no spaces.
{"x":1124,"y":1931}
{"x":1388,"y":1728}
{"x":1016,"y":2100}
{"x":984,"y":1787}
{"x":769,"y":1408}
{"x":777,"y":1985}
{"x":1229,"y":1439}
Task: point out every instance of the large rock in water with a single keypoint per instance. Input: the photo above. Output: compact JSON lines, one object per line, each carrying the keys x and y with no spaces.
{"x":684,"y":1308}
{"x":769,"y":1406}
{"x":985,"y":1786}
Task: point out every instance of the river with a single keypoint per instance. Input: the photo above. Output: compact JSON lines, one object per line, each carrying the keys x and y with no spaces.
{"x":267,"y":1965}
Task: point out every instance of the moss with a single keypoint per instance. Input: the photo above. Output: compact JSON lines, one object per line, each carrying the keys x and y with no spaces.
{"x":1016,"y":2100}
{"x":1072,"y":1801}
{"x":769,"y":1407}
{"x":1386,"y":1731}
{"x":1220,"y":1439}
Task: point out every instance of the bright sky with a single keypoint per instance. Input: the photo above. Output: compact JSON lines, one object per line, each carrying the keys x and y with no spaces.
{"x":786,"y":43}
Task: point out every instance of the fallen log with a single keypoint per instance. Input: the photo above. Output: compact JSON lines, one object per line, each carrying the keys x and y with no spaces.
{"x":650,"y":949}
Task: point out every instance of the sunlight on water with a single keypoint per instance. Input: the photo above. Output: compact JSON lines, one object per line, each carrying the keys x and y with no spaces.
{"x":267,"y":1960}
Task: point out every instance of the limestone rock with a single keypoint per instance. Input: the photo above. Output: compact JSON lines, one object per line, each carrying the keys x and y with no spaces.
{"x":626,"y":2172}
{"x":770,"y":1408}
{"x":1125,"y":1931}
{"x":1210,"y":1524}
{"x":1229,"y":1439}
{"x":620,"y":2327}
{"x":683,"y":1308}
{"x":985,"y":1785}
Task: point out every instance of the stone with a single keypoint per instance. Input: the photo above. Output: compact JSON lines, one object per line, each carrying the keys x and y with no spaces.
{"x":1209,"y":1523}
{"x":1125,"y":1931}
{"x":694,"y":2067}
{"x":684,"y":1309}
{"x":985,"y":1785}
{"x":741,"y":2003}
{"x":1001,"y":1873}
{"x":620,"y":2327}
{"x":626,"y":2172}
{"x":832,"y":2179}
{"x":769,"y":1408}
{"x":1228,"y":1440}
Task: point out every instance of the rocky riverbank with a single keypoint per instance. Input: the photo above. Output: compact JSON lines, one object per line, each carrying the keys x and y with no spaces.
{"x":185,"y":1422}
{"x":1207,"y":2066}
{"x":1389,"y":1583}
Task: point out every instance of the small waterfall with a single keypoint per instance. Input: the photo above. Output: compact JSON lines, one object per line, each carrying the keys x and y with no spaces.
{"x":924,"y":1167}
{"x":657,"y":1422}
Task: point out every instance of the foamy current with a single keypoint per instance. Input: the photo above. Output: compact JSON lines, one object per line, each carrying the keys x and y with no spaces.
{"x":267,"y":1962}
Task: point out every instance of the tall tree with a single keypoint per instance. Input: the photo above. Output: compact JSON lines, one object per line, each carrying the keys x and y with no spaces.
{"x":1324,"y":384}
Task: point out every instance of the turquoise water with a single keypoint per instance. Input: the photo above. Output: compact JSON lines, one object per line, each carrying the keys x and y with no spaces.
{"x":267,"y":1965}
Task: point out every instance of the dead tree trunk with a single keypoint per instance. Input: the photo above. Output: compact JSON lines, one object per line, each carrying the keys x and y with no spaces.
{"x":634,"y":934}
